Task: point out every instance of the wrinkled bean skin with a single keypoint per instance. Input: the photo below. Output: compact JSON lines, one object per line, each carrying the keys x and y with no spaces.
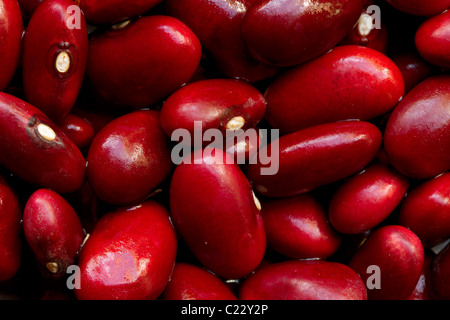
{"x":10,"y":232}
{"x":213,"y":102}
{"x":304,"y":280}
{"x":399,"y":255}
{"x":223,"y":228}
{"x":101,"y":12}
{"x":417,"y":138}
{"x":35,"y":157}
{"x":432,"y":40}
{"x":440,"y":274}
{"x":190,"y":282}
{"x":349,"y":82}
{"x":317,"y":156}
{"x":366,"y":199}
{"x":413,"y":68}
{"x":50,"y":42}
{"x":298,"y":227}
{"x":286,"y":33}
{"x":172,"y":54}
{"x":426,"y":210}
{"x":129,"y":255}
{"x":53,"y":231}
{"x":217,"y":23}
{"x":11,"y":28}
{"x":420,"y":7}
{"x":129,"y":158}
{"x":79,"y":130}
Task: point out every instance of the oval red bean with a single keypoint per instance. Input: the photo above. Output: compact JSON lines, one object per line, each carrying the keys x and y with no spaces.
{"x":224,"y":150}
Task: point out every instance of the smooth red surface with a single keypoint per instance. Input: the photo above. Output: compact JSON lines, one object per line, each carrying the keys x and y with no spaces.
{"x":433,"y":40}
{"x":417,"y":135}
{"x":143,"y":62}
{"x":366,"y":199}
{"x":10,"y":232}
{"x":298,"y":227}
{"x":53,"y":231}
{"x":399,"y":255}
{"x":58,"y":164}
{"x":129,"y":255}
{"x":11,"y":28}
{"x":347,"y":83}
{"x":423,"y":289}
{"x":129,"y":158}
{"x":440,"y":274}
{"x":79,"y":130}
{"x":426,"y":210}
{"x":101,"y":12}
{"x":413,"y":67}
{"x":213,"y":209}
{"x":218,"y":23}
{"x":304,"y":280}
{"x":47,"y":35}
{"x":191,"y":282}
{"x":285,"y":33}
{"x":420,"y":7}
{"x":317,"y":156}
{"x":213,"y":102}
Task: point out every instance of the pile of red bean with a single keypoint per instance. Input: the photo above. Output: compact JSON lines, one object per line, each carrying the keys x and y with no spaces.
{"x":93,"y":205}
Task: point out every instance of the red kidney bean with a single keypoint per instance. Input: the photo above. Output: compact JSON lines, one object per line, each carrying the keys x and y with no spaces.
{"x":28,"y":7}
{"x":163,"y":54}
{"x":11,"y":28}
{"x":217,"y":23}
{"x":426,"y":210}
{"x":395,"y":256}
{"x":298,"y":227}
{"x":100,"y":12}
{"x":53,"y":231}
{"x":245,"y":146}
{"x":413,"y":68}
{"x":36,"y":150}
{"x":420,"y":7}
{"x":129,"y":158}
{"x":190,"y":282}
{"x":316,"y":156}
{"x":304,"y":280}
{"x":440,"y":274}
{"x":349,"y":82}
{"x":215,"y":211}
{"x":417,"y":138}
{"x":225,"y":104}
{"x":79,"y":130}
{"x":285,"y":33}
{"x":432,"y":40}
{"x":423,"y":289}
{"x":54,"y":56}
{"x":10,"y":232}
{"x":366,"y":199}
{"x":129,"y":255}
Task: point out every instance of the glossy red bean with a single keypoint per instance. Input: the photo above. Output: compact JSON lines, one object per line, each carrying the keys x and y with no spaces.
{"x":217,"y":23}
{"x":214,"y":210}
{"x":440,"y":274}
{"x":285,"y":33}
{"x":36,"y":150}
{"x":10,"y":232}
{"x":190,"y":282}
{"x":304,"y":280}
{"x":367,"y":199}
{"x":417,"y":138}
{"x":298,"y":227}
{"x":129,"y":255}
{"x":245,"y":146}
{"x":129,"y":158}
{"x":53,"y":232}
{"x":349,"y":82}
{"x":79,"y":130}
{"x":162,"y":55}
{"x":317,"y":156}
{"x":432,"y":40}
{"x":420,"y":7}
{"x":11,"y":28}
{"x":101,"y":12}
{"x":413,"y":67}
{"x":426,"y":210}
{"x":224,"y":104}
{"x":423,"y":289}
{"x":391,"y":260}
{"x":54,"y":56}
